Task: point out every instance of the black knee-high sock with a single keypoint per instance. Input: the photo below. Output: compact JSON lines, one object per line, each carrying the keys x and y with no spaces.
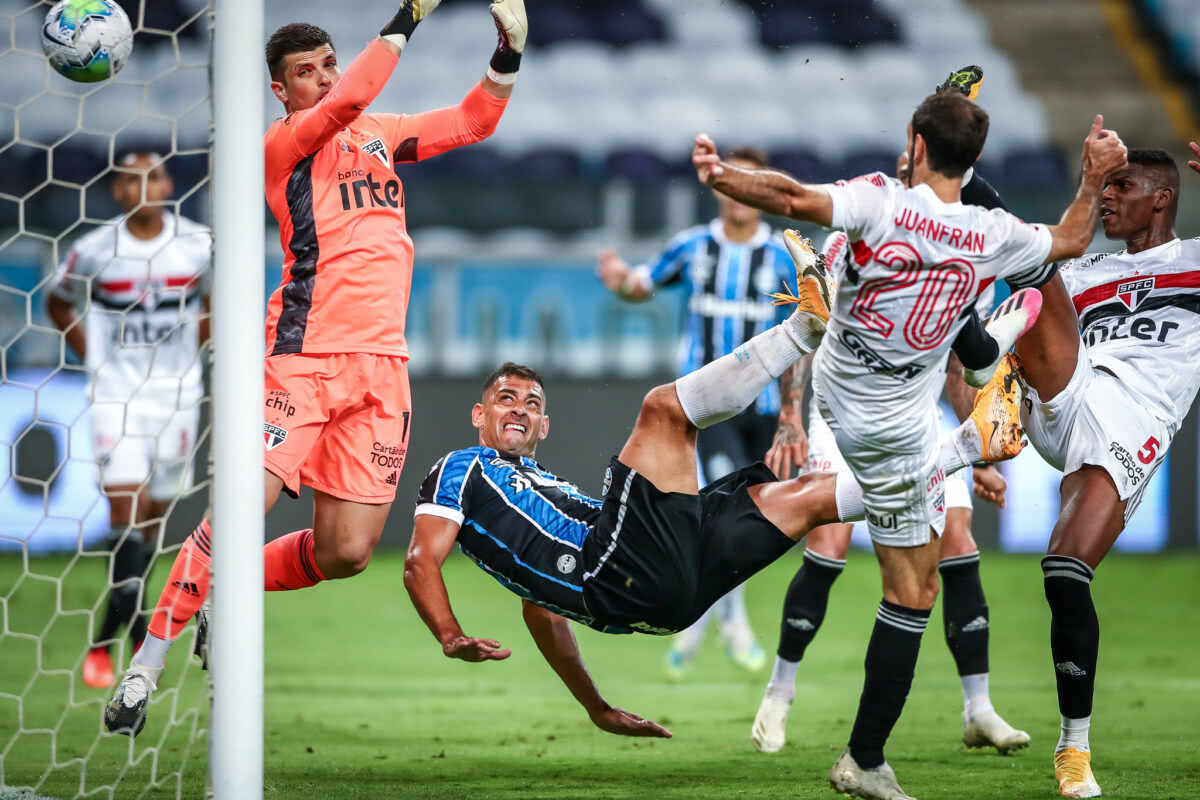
{"x":965,"y":613}
{"x":891,"y":661}
{"x":1074,"y":632}
{"x":128,"y":563}
{"x":805,"y":603}
{"x":137,"y":628}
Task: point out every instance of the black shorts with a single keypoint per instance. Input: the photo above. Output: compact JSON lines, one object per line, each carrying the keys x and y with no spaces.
{"x":656,"y":561}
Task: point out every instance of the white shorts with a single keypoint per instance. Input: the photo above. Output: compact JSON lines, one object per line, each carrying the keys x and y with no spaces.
{"x":823,"y":456}
{"x":138,"y":445}
{"x":1097,"y":420}
{"x":904,"y":488}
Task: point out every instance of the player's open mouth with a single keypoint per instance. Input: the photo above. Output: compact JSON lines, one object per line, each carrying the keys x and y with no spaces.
{"x":512,"y":426}
{"x":1106,"y":212}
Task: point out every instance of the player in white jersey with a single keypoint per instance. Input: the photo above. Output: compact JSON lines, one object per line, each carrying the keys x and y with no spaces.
{"x":139,"y":280}
{"x":1111,"y":372}
{"x":964,"y":604}
{"x":921,"y":257}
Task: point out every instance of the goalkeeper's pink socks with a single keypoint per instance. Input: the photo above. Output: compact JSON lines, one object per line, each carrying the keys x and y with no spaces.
{"x":187,"y":585}
{"x":289,"y":563}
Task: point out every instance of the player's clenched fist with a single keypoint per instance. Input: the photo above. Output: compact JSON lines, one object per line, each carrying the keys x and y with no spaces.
{"x":705,"y":159}
{"x":1103,"y":150}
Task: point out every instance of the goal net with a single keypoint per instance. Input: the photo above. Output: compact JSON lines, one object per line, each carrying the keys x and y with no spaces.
{"x":62,"y":145}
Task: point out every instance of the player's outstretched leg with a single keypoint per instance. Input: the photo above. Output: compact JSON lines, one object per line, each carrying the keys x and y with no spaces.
{"x":1092,"y":517}
{"x":803,"y":612}
{"x":1009,"y":322}
{"x":965,"y":622}
{"x":187,"y":587}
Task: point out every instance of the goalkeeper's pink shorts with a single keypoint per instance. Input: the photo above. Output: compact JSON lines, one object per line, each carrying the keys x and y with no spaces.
{"x":338,"y":423}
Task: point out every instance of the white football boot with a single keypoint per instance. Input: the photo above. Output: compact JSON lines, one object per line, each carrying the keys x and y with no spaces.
{"x":770,"y":724}
{"x":1009,"y":322}
{"x":852,"y":780}
{"x":988,"y":729}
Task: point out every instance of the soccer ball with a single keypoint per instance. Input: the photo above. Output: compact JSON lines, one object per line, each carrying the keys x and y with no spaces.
{"x":87,"y":40}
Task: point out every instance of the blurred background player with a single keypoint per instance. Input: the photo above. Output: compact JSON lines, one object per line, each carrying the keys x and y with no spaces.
{"x":337,"y":406}
{"x":878,"y":392}
{"x":140,"y":279}
{"x":1111,"y":376}
{"x":728,"y":268}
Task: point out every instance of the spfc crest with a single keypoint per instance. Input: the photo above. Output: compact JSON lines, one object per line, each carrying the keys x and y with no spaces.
{"x":1132,"y":293}
{"x":377,"y":148}
{"x":273,"y":435}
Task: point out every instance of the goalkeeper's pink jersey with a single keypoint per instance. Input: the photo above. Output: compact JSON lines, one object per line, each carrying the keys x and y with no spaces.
{"x":333,"y":189}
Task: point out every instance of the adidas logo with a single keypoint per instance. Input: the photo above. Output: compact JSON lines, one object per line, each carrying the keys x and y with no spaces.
{"x":978,"y":624}
{"x":1069,"y":668}
{"x":801,"y":624}
{"x":187,"y":588}
{"x":390,"y":480}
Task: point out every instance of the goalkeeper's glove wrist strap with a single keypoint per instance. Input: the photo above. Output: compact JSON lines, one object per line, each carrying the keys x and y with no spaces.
{"x":502,"y":78}
{"x":505,"y":61}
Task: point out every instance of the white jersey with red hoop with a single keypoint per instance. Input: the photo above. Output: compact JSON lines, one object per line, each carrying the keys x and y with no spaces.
{"x":916,"y":264}
{"x":1139,"y":317}
{"x":142,"y":299}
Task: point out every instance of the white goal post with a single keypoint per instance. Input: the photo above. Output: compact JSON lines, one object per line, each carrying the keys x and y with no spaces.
{"x":236,"y":726}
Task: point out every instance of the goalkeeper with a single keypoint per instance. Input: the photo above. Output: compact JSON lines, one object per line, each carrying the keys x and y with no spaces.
{"x":337,"y":404}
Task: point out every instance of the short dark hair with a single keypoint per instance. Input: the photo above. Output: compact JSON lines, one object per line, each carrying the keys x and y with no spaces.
{"x":954,"y":130}
{"x":510,"y":369}
{"x":295,"y":37}
{"x":1149,"y":157}
{"x":755,"y":155}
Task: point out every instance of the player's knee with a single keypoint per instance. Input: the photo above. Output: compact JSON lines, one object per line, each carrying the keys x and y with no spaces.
{"x":351,"y":557}
{"x":661,"y":407}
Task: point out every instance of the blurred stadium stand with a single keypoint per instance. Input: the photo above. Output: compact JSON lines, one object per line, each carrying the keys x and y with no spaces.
{"x":609,"y":92}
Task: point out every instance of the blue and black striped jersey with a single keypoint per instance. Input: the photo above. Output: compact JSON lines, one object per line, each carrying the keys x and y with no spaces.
{"x":523,"y":525}
{"x":727,"y":284}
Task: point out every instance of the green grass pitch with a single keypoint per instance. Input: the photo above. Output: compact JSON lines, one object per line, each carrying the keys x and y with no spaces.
{"x":360,"y":703}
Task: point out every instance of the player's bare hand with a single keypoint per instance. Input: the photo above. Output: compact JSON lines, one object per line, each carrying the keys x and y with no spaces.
{"x":626,"y":723}
{"x":1103,"y":150}
{"x":612,"y":270}
{"x":468,"y":648}
{"x":1195,"y":148}
{"x":706,"y":160}
{"x":990,"y":485}
{"x":789,"y":449}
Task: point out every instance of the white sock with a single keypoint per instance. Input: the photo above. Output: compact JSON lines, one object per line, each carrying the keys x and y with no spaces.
{"x":688,"y":640}
{"x":152,"y":653}
{"x":976,"y":699}
{"x":723,"y":388}
{"x":849,"y":498}
{"x":961,"y":449}
{"x":733,"y":620}
{"x":783,"y":679}
{"x":1074,"y":734}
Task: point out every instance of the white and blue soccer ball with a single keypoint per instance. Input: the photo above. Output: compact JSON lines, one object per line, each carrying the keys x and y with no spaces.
{"x":87,"y":40}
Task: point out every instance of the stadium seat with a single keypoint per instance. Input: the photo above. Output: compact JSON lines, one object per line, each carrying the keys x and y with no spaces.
{"x":77,"y":159}
{"x":554,"y":163}
{"x":802,"y":164}
{"x":863,"y":162}
{"x":1038,"y":166}
{"x":479,"y":162}
{"x":627,"y":25}
{"x":637,"y":165}
{"x":713,"y":27}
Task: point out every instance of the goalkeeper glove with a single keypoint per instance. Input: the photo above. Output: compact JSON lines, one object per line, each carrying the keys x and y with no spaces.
{"x":966,"y":80}
{"x":513,"y":27}
{"x":411,"y":12}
